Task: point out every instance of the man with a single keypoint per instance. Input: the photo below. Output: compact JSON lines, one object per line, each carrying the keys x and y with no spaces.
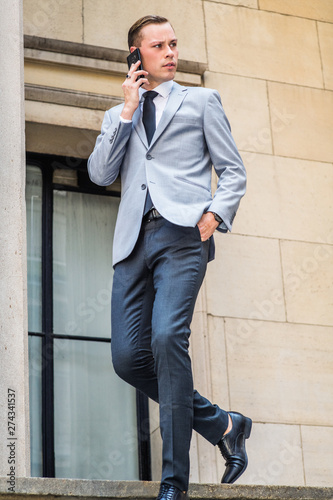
{"x":163,"y":144}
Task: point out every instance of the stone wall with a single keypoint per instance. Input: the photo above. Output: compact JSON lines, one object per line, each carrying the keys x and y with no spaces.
{"x":262,"y":339}
{"x":14,"y":394}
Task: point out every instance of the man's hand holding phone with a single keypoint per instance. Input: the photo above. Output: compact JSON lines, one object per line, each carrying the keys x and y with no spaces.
{"x":134,"y":79}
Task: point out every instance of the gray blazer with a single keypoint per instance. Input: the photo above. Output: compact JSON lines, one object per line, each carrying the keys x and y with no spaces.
{"x":193,"y":134}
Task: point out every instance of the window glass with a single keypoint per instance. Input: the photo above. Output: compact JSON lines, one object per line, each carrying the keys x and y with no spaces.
{"x":35,"y":398}
{"x":95,"y":414}
{"x":83,"y":227}
{"x":34,"y":247}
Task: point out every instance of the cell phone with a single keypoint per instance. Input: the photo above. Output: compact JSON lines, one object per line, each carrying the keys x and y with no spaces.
{"x":133,"y":58}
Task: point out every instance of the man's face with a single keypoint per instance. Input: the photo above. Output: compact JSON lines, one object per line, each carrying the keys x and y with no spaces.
{"x":159,"y":53}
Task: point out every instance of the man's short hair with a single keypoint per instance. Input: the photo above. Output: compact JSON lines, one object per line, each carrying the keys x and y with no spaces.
{"x":134,"y":33}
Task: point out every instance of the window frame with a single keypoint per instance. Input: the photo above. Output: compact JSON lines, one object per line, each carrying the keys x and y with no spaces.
{"x":48,"y":164}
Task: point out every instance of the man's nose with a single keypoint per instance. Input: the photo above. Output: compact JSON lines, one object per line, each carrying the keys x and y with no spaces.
{"x":169,"y":52}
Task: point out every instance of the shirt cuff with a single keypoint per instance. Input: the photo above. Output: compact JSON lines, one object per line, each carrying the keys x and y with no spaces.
{"x":124,"y":120}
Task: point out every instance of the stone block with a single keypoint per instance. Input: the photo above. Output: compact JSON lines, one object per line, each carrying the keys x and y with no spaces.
{"x":318,"y":455}
{"x":64,"y":141}
{"x":275,"y":456}
{"x":244,"y":280}
{"x":156,"y":455}
{"x":321,"y":10}
{"x":286,"y":198}
{"x":59,"y":19}
{"x":106,"y":23}
{"x":306,"y":117}
{"x":205,"y":360}
{"x":263,"y":45}
{"x":325,"y":32}
{"x":244,"y":3}
{"x":64,"y":77}
{"x":65,"y":116}
{"x":203,"y":461}
{"x":218,"y":362}
{"x":200,"y":354}
{"x":154,"y":415}
{"x":52,"y":488}
{"x":308,"y":281}
{"x":280,"y":372}
{"x":246,"y":105}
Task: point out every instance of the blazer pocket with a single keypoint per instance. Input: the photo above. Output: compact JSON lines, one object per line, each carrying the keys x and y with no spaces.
{"x":187,"y":181}
{"x":180,"y":119}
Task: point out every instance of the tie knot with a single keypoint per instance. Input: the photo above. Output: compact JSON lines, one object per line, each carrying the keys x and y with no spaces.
{"x":150,"y":94}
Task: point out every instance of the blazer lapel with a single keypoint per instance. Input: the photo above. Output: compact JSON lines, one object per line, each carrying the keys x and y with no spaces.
{"x":138,"y":125}
{"x":176,"y":97}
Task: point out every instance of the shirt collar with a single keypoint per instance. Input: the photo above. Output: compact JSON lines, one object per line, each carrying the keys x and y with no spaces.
{"x":163,"y":89}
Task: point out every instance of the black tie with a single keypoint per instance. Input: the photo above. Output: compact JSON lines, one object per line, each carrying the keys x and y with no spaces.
{"x":149,"y":114}
{"x":149,"y":122}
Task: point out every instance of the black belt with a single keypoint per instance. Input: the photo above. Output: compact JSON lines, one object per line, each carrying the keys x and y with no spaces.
{"x":151,"y":215}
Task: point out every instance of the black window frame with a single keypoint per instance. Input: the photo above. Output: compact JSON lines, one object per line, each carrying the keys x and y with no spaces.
{"x":48,"y":164}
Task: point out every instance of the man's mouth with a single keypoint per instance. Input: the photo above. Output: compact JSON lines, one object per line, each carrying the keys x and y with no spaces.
{"x":169,"y":65}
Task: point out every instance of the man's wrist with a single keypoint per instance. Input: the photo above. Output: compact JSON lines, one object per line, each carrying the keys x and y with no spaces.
{"x":127,"y":113}
{"x":217,"y":217}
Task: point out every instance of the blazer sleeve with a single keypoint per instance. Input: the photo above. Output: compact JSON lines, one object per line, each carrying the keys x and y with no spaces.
{"x":226,"y":160}
{"x":105,"y":161}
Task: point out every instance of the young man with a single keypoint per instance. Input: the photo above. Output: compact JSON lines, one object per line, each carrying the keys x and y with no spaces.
{"x":163,"y":144}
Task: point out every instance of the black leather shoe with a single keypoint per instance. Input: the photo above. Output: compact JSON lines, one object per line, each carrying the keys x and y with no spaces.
{"x":170,"y":492}
{"x":232,"y":447}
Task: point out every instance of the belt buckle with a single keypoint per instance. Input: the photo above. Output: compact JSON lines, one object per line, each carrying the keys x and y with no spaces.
{"x":152,"y":215}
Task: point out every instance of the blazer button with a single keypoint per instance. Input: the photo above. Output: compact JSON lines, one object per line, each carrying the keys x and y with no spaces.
{"x":143,"y":186}
{"x":149,"y":157}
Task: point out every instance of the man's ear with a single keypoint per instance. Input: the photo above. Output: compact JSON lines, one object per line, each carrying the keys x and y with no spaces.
{"x":132,"y":49}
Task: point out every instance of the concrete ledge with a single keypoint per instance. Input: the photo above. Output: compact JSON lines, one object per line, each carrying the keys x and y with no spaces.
{"x":142,"y":490}
{"x":70,"y":97}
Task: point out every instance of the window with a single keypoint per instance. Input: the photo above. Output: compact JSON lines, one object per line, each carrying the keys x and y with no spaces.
{"x":85,"y":421}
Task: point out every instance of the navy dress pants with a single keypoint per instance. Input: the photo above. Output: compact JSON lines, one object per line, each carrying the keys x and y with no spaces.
{"x":153,"y":297}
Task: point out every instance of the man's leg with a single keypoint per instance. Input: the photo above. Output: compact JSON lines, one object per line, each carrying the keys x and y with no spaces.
{"x":178,"y":259}
{"x":132,"y":303}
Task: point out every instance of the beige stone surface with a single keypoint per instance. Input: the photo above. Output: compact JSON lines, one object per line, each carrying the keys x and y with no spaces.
{"x":318,"y":455}
{"x":65,"y":77}
{"x":14,"y":370}
{"x":246,"y":105}
{"x":60,"y":19}
{"x":244,"y":280}
{"x":156,"y":455}
{"x":65,"y":116}
{"x":274,"y":454}
{"x":58,"y":140}
{"x":202,"y":452}
{"x":306,"y":117}
{"x":202,"y":461}
{"x":261,"y":44}
{"x":245,"y":3}
{"x":308,"y":281}
{"x":280,"y":372}
{"x":313,"y":9}
{"x":286,"y":198}
{"x":218,"y":362}
{"x":106,"y":23}
{"x":325,"y":33}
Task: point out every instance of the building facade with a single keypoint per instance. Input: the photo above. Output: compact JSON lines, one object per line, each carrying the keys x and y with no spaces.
{"x":262,"y":334}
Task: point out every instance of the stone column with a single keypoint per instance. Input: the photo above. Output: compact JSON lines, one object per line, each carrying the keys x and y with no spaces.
{"x":14,"y":386}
